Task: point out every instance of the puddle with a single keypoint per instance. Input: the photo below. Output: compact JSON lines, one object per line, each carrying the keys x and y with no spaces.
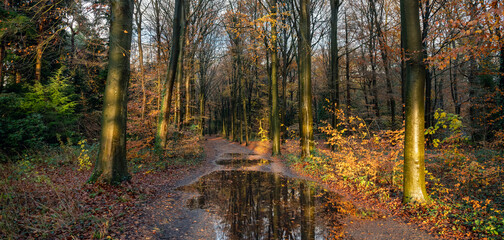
{"x":263,"y":205}
{"x":237,"y":155}
{"x":235,"y":162}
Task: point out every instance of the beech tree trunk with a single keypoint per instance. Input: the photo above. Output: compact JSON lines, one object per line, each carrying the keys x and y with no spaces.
{"x":275,"y":118}
{"x":334,"y":71}
{"x":2,"y":56}
{"x":111,"y":166}
{"x":201,"y":112}
{"x":178,"y":79}
{"x":305,"y":86}
{"x":454,"y":85}
{"x":187,"y":116}
{"x":177,"y":44}
{"x":428,"y":76}
{"x":138,"y":20}
{"x":157,"y":16}
{"x":347,"y":68}
{"x":501,"y":68}
{"x":414,"y":146}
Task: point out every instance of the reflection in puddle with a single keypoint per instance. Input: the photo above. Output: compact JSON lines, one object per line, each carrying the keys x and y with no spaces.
{"x":262,"y":205}
{"x":237,"y":155}
{"x":242,"y":162}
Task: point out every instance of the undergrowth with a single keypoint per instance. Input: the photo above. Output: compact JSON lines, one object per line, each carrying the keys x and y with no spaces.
{"x":44,"y":195}
{"x":464,"y":183}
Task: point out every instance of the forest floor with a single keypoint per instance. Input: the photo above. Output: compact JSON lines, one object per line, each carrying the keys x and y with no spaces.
{"x":205,"y":189}
{"x":175,"y":215}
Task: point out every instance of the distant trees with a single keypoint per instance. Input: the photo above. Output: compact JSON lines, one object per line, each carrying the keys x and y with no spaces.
{"x":111,"y":165}
{"x":252,"y":69}
{"x":51,"y":57}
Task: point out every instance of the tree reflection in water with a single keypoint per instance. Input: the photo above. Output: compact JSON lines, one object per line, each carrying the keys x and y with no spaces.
{"x":263,"y":205}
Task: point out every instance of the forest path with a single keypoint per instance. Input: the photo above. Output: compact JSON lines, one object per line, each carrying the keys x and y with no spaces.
{"x":238,"y":193}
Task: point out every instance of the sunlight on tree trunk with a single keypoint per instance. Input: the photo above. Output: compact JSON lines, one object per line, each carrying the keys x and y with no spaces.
{"x":177,"y":43}
{"x":275,"y":119}
{"x":414,"y":147}
{"x":111,"y":166}
{"x":305,"y":91}
{"x":187,"y":117}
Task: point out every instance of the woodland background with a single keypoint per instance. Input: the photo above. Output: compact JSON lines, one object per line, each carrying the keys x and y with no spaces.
{"x":53,"y":65}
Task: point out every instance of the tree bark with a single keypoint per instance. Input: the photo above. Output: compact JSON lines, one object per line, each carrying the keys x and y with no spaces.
{"x":157,"y":17}
{"x":428,"y":76}
{"x":414,"y":147}
{"x":305,"y":86}
{"x":501,"y":68}
{"x":347,"y":68}
{"x":2,"y":57}
{"x":201,"y":112}
{"x":275,"y":119}
{"x":454,"y":86}
{"x":334,"y":76}
{"x":178,"y":79}
{"x":138,"y":20}
{"x":177,"y":44}
{"x":39,"y":51}
{"x":187,"y":116}
{"x":111,"y":165}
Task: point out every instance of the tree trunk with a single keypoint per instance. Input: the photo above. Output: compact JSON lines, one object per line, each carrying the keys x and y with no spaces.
{"x":201,"y":96}
{"x":275,"y":120}
{"x":414,"y":147}
{"x":157,"y":16}
{"x":305,"y":87}
{"x":178,"y":91}
{"x":372,"y":61}
{"x":244,"y":106}
{"x":201,"y":112}
{"x":439,"y":92}
{"x":187,"y":119}
{"x":283,"y":113}
{"x":111,"y":165}
{"x":454,"y":87}
{"x":501,"y":69}
{"x":177,"y":44}
{"x":347,"y":68}
{"x":138,"y":18}
{"x":38,"y":61}
{"x":334,"y":76}
{"x":473,"y":86}
{"x":428,"y":76}
{"x":2,"y":57}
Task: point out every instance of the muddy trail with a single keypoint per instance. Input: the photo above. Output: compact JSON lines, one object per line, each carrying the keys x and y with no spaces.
{"x":240,"y":194}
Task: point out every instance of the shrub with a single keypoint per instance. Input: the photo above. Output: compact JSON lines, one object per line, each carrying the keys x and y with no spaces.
{"x":37,"y":117}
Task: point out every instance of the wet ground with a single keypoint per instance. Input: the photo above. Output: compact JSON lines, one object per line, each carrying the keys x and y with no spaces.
{"x":264,"y":205}
{"x":238,"y":194}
